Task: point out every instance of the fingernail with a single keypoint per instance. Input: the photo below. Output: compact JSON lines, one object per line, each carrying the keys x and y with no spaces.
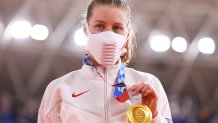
{"x":131,"y":88}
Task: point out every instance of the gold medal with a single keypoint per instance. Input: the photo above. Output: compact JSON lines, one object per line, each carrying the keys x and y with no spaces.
{"x":139,"y":113}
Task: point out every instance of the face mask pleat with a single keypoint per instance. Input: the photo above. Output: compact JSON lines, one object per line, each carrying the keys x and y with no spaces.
{"x":106,"y":47}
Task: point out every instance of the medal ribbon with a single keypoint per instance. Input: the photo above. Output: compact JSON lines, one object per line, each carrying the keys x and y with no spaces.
{"x":120,"y":92}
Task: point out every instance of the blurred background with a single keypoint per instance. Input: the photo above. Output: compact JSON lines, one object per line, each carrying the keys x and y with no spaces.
{"x":41,"y":40}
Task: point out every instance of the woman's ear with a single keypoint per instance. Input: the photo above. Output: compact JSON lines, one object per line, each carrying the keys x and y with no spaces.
{"x":86,"y":29}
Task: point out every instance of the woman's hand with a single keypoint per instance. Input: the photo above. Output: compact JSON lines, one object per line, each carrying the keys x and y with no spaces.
{"x":149,"y":96}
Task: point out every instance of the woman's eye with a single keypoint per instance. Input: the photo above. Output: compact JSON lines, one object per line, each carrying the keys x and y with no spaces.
{"x":118,"y":29}
{"x":99,"y":27}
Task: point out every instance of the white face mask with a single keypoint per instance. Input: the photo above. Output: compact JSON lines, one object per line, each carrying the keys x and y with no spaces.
{"x":106,"y":47}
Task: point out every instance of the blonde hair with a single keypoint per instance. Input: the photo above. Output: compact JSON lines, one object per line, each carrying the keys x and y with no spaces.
{"x":131,"y":36}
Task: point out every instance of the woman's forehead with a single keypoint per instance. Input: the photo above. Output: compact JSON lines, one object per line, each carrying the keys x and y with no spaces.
{"x":109,"y":14}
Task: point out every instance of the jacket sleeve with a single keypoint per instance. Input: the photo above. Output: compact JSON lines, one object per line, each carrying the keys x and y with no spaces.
{"x":164,"y":113}
{"x":160,"y":119}
{"x":52,"y":117}
{"x":42,"y":118}
{"x":49,"y":108}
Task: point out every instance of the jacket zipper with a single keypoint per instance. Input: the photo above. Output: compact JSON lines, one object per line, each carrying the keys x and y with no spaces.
{"x":59,"y":118}
{"x":105,"y":96}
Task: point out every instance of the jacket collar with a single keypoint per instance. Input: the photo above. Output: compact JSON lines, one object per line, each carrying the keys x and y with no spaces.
{"x":111,"y":72}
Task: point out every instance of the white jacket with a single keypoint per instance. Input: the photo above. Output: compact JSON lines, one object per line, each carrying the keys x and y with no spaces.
{"x":82,"y":96}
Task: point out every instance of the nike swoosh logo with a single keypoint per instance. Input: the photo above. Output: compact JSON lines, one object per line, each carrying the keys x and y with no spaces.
{"x":76,"y":95}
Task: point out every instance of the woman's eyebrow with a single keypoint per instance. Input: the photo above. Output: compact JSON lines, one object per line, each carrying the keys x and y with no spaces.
{"x":116,"y":23}
{"x":119,"y":24}
{"x":99,"y":21}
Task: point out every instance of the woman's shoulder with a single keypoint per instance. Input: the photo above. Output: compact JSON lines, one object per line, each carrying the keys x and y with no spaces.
{"x":63,"y":80}
{"x":56,"y":87}
{"x":139,"y":75}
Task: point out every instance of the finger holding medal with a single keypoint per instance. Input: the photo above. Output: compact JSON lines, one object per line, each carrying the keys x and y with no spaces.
{"x":149,"y":96}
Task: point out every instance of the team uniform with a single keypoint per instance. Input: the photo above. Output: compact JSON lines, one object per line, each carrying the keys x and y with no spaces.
{"x":87,"y":95}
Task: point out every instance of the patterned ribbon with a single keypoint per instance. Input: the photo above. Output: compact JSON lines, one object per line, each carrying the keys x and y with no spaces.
{"x":120,"y":92}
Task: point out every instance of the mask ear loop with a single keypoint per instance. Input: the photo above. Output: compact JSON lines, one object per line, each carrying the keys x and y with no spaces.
{"x":124,"y":50}
{"x":127,"y":34}
{"x":128,"y":29}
